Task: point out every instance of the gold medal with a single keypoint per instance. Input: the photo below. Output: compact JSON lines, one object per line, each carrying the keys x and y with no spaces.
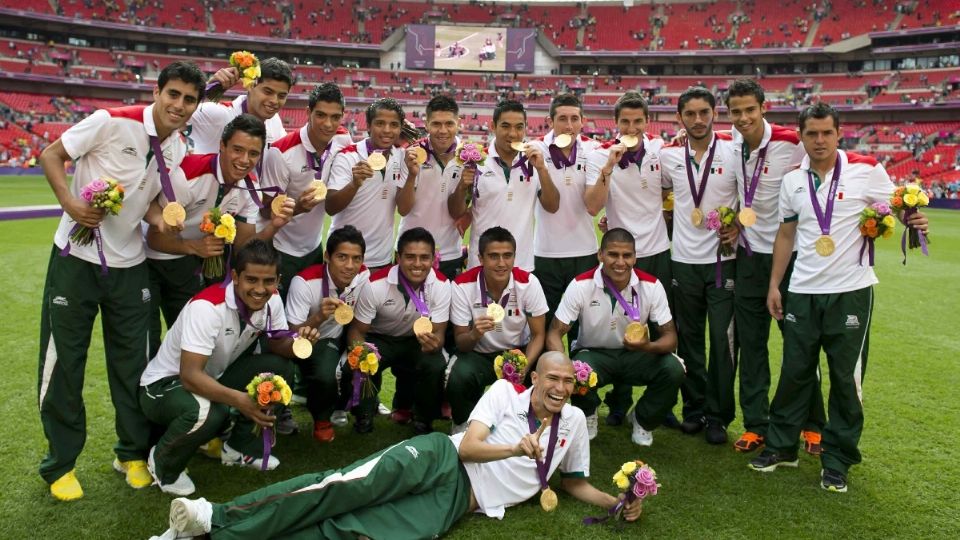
{"x":319,"y":190}
{"x":495,"y":311}
{"x":696,"y":217}
{"x":748,"y":218}
{"x":422,"y":326}
{"x":519,"y":146}
{"x":302,"y":348}
{"x":421,"y":155}
{"x":629,"y":140}
{"x":562,"y":140}
{"x":277,"y":204}
{"x":825,"y":246}
{"x":548,"y":500}
{"x":173,"y":214}
{"x":635,"y":332}
{"x":377,"y":161}
{"x":343,"y":314}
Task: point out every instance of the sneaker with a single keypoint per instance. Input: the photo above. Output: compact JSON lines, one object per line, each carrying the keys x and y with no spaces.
{"x":401,"y":416}
{"x":231,"y":457}
{"x":748,"y":442}
{"x":212,"y":449}
{"x":170,"y":534}
{"x":640,"y":435}
{"x":363,"y":424}
{"x":298,"y":399}
{"x":811,"y":443}
{"x":339,"y":418}
{"x":191,"y":517}
{"x":383,"y":410}
{"x":323,"y":431}
{"x":832,"y":480}
{"x":182,"y":487}
{"x":615,"y":418}
{"x":716,"y":433}
{"x":769,"y":460}
{"x":286,"y":423}
{"x":592,"y":422}
{"x":67,"y":487}
{"x":458,"y":428}
{"x":670,"y":421}
{"x":692,"y":425}
{"x":421,"y":428}
{"x":138,"y":477}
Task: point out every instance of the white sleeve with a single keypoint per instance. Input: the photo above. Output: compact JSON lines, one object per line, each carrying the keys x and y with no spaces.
{"x":367,"y":304}
{"x":595,"y":162}
{"x":439,"y":301}
{"x":299,"y":300}
{"x":568,"y":311}
{"x":275,"y":171}
{"x":787,"y":212}
{"x":84,"y":136}
{"x":201,"y":326}
{"x":534,"y":302}
{"x":206,"y":126}
{"x":666,"y":182}
{"x":659,"y":308}
{"x":341,"y":172}
{"x":879,"y":186}
{"x":278,"y":317}
{"x":576,"y":462}
{"x":493,"y":404}
{"x":461,"y":313}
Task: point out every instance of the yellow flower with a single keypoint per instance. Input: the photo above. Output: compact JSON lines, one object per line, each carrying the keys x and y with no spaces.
{"x":913,"y":189}
{"x":629,"y":467}
{"x":252,"y":72}
{"x":231,"y":237}
{"x":889,"y":221}
{"x":286,"y":394}
{"x":371,"y":358}
{"x":365,"y":366}
{"x":222,"y":231}
{"x":922,"y":199}
{"x":227,"y":219}
{"x":498,"y":362}
{"x":621,"y":480}
{"x":499,"y":371}
{"x":910,"y":199}
{"x":888,"y":233}
{"x":592,"y":381}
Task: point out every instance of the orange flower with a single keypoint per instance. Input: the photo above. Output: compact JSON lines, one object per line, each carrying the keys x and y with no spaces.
{"x":265,"y":386}
{"x":898,"y":201}
{"x":870,"y":223}
{"x":899,"y":191}
{"x":275,"y":396}
{"x":872,"y":232}
{"x":353,"y":360}
{"x":582,"y":391}
{"x":263,"y":400}
{"x":119,"y":188}
{"x":357,"y":350}
{"x":863,"y":231}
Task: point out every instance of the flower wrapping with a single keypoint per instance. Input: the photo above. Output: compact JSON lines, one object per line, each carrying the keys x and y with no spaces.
{"x":586,"y":378}
{"x":221,"y":225}
{"x":363,"y":359}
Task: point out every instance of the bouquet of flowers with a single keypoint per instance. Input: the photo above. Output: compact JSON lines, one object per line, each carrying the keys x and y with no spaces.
{"x":718,"y":219}
{"x":104,"y":193}
{"x":510,"y":366}
{"x":221,"y":225}
{"x":268,"y":389}
{"x":364,"y":360}
{"x":637,"y":480}
{"x":586,"y":377}
{"x":907,"y":199}
{"x":249,"y":67}
{"x":876,"y":221}
{"x":470,"y":154}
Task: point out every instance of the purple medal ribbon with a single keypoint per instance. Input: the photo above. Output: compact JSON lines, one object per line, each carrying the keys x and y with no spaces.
{"x":386,"y":153}
{"x":867,"y":245}
{"x":315,"y":164}
{"x":825,"y":216}
{"x":544,"y":468}
{"x":749,"y":190}
{"x":415,"y":296}
{"x":425,"y":144}
{"x":483,"y":294}
{"x":561,"y":161}
{"x":632,"y":309}
{"x":525,"y":167}
{"x":694,"y":190}
{"x":250,"y":187}
{"x":165,"y":183}
{"x":633,"y":157}
{"x":96,"y":236}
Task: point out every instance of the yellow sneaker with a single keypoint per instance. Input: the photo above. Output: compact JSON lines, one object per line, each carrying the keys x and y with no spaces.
{"x":138,"y":477}
{"x":67,"y":487}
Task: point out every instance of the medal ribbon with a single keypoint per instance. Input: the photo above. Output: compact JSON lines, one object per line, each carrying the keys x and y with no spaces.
{"x":749,"y":190}
{"x":544,"y":468}
{"x":483,"y":293}
{"x":694,"y":190}
{"x":525,"y":167}
{"x":386,"y":153}
{"x":633,"y":157}
{"x":425,"y":144}
{"x":415,"y":296}
{"x":826,"y":215}
{"x":250,"y":187}
{"x":165,"y":183}
{"x":632,"y":309}
{"x":559,"y":160}
{"x":313,"y":163}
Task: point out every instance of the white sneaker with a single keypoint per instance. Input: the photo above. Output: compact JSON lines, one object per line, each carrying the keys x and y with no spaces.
{"x":640,"y":436}
{"x":383,"y":410}
{"x":458,"y":428}
{"x":592,"y":421}
{"x":231,"y":457}
{"x":183,"y":486}
{"x":298,"y":399}
{"x":190,"y":517}
{"x":339,"y":418}
{"x":170,"y":534}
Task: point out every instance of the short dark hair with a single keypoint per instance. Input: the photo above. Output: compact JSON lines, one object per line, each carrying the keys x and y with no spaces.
{"x":247,"y":123}
{"x":442,"y":103}
{"x":385,"y":104}
{"x":187,"y":72}
{"x":416,"y":234}
{"x":276,"y":69}
{"x":347,"y":234}
{"x":495,"y":234}
{"x":618,"y":234}
{"x":256,"y":251}
{"x":327,"y":93}
{"x":696,"y":92}
{"x":565,"y":100}
{"x":508,"y":105}
{"x":743,"y":88}
{"x":631,"y":100}
{"x":819,"y":111}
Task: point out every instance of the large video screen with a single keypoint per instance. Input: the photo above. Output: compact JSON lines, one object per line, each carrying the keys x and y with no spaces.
{"x":470,"y":48}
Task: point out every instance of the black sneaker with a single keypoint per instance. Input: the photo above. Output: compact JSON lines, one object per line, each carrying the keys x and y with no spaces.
{"x":832,"y":480}
{"x":769,"y":460}
{"x":716,"y":433}
{"x":286,"y":424}
{"x":670,"y":421}
{"x":615,"y":418}
{"x":363,"y":424}
{"x":421,"y":428}
{"x":692,"y":425}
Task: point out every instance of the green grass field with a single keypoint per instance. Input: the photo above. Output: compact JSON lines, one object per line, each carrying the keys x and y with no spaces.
{"x":905,"y":488}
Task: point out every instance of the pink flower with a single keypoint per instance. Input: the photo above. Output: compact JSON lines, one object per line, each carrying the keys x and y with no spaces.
{"x":882,"y":208}
{"x":639,"y":490}
{"x":508,"y":369}
{"x":713,"y":220}
{"x":645,"y":476}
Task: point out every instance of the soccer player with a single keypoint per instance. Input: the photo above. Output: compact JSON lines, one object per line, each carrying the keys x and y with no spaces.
{"x":206,"y":362}
{"x":610,"y":301}
{"x":420,"y":487}
{"x":767,"y":152}
{"x":368,"y":198}
{"x":109,"y":275}
{"x":437,"y":178}
{"x":479,"y":338}
{"x":701,"y":173}
{"x":315,"y":294}
{"x":831,"y":295}
{"x":387,"y":312}
{"x":507,"y":186}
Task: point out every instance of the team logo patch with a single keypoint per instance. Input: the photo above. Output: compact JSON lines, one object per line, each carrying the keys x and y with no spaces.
{"x":228,"y":331}
{"x":728,"y":284}
{"x":389,"y":302}
{"x":60,"y":301}
{"x":413,"y":451}
{"x":790,"y":318}
{"x":145,"y":294}
{"x":595,"y":303}
{"x":853,"y":321}
{"x":130,"y":151}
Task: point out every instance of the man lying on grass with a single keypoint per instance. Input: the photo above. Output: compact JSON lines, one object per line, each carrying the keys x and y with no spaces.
{"x":420,"y":487}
